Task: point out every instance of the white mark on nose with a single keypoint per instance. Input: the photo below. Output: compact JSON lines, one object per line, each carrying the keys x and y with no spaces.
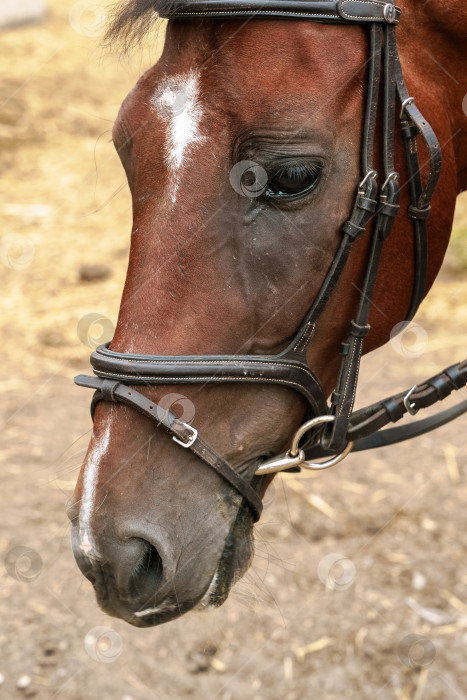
{"x":91,"y":472}
{"x":177,"y":103}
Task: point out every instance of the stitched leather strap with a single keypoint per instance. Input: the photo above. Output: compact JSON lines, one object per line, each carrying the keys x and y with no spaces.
{"x":334,"y":437}
{"x":159,"y":369}
{"x":112,"y":390}
{"x":345,"y":11}
{"x":370,"y":419}
{"x":414,"y":123}
{"x":366,"y":423}
{"x":289,"y":368}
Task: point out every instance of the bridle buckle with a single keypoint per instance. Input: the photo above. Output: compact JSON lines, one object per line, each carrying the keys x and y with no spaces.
{"x":389,"y":13}
{"x":191,"y":440}
{"x":406,"y":103}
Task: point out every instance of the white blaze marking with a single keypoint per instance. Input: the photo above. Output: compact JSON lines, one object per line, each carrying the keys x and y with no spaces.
{"x":177,"y":102}
{"x":89,"y":490}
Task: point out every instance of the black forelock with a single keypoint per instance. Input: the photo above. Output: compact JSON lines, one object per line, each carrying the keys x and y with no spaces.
{"x":131,"y":21}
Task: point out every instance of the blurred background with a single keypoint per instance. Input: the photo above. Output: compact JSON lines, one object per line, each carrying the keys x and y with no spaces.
{"x":358,"y":586}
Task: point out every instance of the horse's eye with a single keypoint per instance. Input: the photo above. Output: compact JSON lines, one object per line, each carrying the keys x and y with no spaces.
{"x":293,"y":181}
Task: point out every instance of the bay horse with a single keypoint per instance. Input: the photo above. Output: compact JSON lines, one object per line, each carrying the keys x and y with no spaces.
{"x":251,"y":292}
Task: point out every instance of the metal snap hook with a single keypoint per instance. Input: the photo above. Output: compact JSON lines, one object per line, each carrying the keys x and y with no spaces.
{"x":281,"y":463}
{"x":295,"y":457}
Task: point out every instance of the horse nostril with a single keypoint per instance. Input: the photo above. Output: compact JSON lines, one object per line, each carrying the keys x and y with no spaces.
{"x":147,"y":576}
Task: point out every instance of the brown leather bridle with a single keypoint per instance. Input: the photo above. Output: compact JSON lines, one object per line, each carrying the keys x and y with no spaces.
{"x":333,"y":430}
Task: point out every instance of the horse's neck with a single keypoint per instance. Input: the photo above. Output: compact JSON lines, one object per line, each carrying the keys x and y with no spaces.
{"x":432,"y":47}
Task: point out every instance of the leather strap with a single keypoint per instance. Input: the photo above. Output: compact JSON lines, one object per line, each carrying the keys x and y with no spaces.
{"x":112,"y":390}
{"x":343,"y":398}
{"x":289,"y":368}
{"x":159,"y":369}
{"x":407,"y":432}
{"x":414,"y":123}
{"x":367,"y":421}
{"x":345,"y":11}
{"x":335,"y":436}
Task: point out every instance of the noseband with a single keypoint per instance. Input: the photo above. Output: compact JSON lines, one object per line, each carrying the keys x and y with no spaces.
{"x":333,"y":430}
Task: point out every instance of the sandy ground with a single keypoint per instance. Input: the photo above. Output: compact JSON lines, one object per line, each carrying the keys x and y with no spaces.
{"x":395,"y":519}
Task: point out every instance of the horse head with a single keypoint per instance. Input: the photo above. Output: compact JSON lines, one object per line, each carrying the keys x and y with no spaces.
{"x":242,"y":148}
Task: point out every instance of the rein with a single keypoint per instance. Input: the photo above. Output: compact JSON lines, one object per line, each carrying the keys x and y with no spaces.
{"x":334,"y":430}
